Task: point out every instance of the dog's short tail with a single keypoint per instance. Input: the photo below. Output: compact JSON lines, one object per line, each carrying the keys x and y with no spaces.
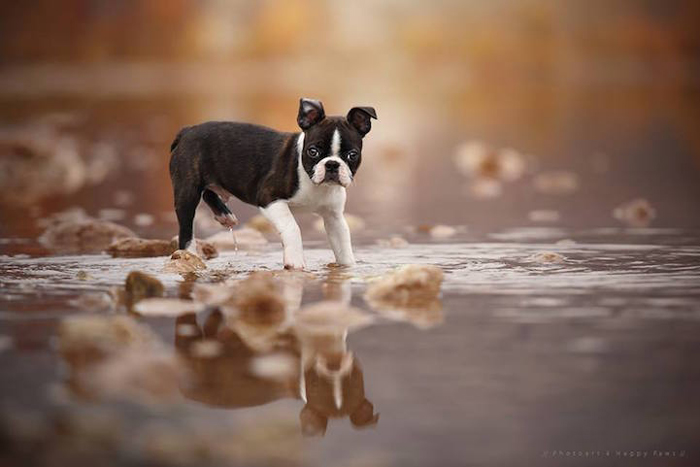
{"x":175,"y":142}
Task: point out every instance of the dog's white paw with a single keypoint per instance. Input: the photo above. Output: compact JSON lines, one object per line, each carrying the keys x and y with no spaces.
{"x":294,"y":262}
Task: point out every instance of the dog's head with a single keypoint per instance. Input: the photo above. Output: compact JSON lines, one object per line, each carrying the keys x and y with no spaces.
{"x":332,"y":146}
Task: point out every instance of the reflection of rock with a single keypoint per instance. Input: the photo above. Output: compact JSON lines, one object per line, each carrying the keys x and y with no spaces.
{"x":258,"y":300}
{"x":205,"y":248}
{"x":140,"y":248}
{"x":166,"y":307}
{"x":84,"y":340}
{"x":83,"y":236}
{"x":636,"y":213}
{"x":245,"y":239}
{"x":140,"y":285}
{"x":184,"y":262}
{"x":329,"y":317}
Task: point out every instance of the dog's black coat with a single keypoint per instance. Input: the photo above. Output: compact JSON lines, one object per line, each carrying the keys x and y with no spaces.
{"x":256,"y":164}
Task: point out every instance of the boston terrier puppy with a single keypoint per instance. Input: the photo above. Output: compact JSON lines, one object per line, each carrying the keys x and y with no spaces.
{"x":281,"y":173}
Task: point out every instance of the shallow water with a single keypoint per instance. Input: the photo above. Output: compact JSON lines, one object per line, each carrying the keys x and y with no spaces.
{"x":520,"y":361}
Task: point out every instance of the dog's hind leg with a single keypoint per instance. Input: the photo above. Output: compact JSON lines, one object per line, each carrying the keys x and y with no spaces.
{"x":222,"y":214}
{"x":186,"y":201}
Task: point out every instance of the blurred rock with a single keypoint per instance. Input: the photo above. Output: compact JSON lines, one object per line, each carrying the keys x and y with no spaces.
{"x":148,"y":376}
{"x":261,"y":224}
{"x":245,"y":238}
{"x":183,"y":262}
{"x":6,"y":343}
{"x":111,"y":214}
{"x":485,"y":188}
{"x":83,"y":236}
{"x":355,"y":223}
{"x":143,"y":220}
{"x":477,"y":160}
{"x":556,"y":182}
{"x":140,"y":285}
{"x":73,"y":214}
{"x":547,"y":257}
{"x":393,"y":242}
{"x":123,"y":198}
{"x":442,"y":231}
{"x":408,"y":285}
{"x":95,"y":301}
{"x":140,"y":248}
{"x":636,"y":213}
{"x":205,"y":248}
{"x":208,"y":348}
{"x":544,"y":216}
{"x":166,"y":307}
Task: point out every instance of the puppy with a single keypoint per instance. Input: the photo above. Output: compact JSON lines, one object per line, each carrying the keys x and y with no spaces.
{"x":281,"y":173}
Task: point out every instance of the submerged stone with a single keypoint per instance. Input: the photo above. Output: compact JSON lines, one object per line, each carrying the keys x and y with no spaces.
{"x":140,"y":248}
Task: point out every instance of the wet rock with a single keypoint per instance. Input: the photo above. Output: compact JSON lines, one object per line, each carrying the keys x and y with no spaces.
{"x":205,"y":248}
{"x":86,"y":339}
{"x":166,"y":307}
{"x":393,"y":242}
{"x":479,"y":161}
{"x":83,"y":236}
{"x":83,"y":276}
{"x":140,"y":248}
{"x":406,"y":285}
{"x":261,"y":224}
{"x":636,"y":213}
{"x":558,"y":182}
{"x":184,"y":262}
{"x":259,"y":300}
{"x":140,"y":285}
{"x":245,"y":239}
{"x":547,"y":257}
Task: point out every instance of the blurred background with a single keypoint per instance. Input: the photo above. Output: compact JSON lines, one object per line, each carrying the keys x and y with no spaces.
{"x":606,"y":91}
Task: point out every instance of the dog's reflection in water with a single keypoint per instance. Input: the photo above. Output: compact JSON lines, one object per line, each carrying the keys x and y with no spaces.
{"x":298,"y":358}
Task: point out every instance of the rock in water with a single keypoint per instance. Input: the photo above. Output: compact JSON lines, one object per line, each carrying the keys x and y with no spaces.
{"x":83,"y":236}
{"x":205,"y":248}
{"x":406,"y":285}
{"x":183,"y":262}
{"x":140,"y":248}
{"x":140,"y":285}
{"x":636,"y":213}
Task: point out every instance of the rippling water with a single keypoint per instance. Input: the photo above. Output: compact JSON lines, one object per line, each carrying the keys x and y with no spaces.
{"x":520,"y":360}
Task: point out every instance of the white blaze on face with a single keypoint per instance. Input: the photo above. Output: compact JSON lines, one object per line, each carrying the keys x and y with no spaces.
{"x":344,"y":173}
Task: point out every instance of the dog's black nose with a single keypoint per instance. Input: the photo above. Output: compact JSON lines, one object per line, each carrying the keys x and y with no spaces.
{"x":332,"y":165}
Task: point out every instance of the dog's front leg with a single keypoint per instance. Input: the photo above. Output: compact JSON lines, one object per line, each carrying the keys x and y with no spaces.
{"x":339,"y":236}
{"x":281,"y":217}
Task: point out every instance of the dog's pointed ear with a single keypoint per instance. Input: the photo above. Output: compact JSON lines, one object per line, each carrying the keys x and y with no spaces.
{"x":360,"y":118}
{"x":310,"y":113}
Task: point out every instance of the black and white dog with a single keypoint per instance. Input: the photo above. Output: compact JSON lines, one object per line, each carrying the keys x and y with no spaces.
{"x":279,"y":172}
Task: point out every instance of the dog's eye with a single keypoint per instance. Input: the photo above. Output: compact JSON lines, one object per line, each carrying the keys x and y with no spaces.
{"x":352,"y":155}
{"x":312,"y":152}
